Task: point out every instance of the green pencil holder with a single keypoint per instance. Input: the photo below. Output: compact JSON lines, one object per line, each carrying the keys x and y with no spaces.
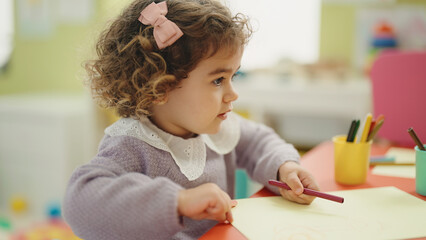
{"x":420,"y":171}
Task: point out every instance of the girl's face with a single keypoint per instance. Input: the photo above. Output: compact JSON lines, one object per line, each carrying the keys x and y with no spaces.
{"x":201,"y":102}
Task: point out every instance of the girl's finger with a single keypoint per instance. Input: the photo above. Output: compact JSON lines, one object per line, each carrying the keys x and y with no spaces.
{"x":229,"y":217}
{"x":290,"y":195}
{"x":216,"y":213}
{"x":294,"y":183}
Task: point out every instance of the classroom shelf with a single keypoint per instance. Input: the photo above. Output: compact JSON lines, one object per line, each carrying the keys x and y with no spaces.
{"x":299,"y":107}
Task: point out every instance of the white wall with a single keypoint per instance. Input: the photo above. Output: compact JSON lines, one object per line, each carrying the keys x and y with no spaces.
{"x":283,"y":29}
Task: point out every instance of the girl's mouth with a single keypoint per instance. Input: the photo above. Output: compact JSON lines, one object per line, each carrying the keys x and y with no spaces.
{"x":224,"y":115}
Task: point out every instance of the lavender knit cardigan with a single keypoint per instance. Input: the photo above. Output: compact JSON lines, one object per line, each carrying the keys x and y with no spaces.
{"x":129,"y":190}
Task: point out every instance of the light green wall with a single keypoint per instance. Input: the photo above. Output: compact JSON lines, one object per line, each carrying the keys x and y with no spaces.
{"x":337,"y":31}
{"x":45,"y":65}
{"x":54,"y":64}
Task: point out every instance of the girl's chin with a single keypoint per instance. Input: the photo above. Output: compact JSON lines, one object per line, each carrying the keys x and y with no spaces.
{"x":214,"y":131}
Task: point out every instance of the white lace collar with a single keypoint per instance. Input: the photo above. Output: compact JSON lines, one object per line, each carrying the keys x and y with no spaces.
{"x":189,"y":154}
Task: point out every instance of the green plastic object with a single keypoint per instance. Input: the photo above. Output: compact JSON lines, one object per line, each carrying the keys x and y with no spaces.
{"x":241,"y":184}
{"x":5,"y":224}
{"x":420,"y":171}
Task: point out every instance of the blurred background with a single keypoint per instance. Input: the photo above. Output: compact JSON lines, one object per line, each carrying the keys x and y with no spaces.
{"x":305,"y":73}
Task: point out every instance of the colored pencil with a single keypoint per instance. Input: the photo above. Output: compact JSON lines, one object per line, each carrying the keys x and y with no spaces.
{"x":391,"y":164}
{"x":366,"y":129}
{"x":416,"y":139}
{"x":387,"y":160}
{"x":308,"y":191}
{"x":352,"y":137}
{"x":376,"y":128}
{"x":373,"y":123}
{"x":380,"y":117}
{"x":374,"y":159}
{"x":351,"y":130}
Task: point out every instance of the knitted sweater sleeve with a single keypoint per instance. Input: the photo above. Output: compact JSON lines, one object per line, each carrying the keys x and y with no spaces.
{"x":110,"y":198}
{"x":261,"y":152}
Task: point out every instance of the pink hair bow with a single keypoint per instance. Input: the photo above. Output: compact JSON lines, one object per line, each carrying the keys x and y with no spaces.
{"x":166,"y":32}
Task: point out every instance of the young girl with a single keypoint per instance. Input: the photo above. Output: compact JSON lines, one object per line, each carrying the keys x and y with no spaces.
{"x":166,"y":169}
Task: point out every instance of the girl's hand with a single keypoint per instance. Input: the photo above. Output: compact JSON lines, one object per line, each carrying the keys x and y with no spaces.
{"x":206,"y":201}
{"x":297,"y":178}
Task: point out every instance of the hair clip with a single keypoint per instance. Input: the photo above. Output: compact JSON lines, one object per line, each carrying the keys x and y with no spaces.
{"x":166,"y":32}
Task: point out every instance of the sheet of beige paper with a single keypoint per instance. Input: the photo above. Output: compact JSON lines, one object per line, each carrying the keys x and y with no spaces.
{"x":395,"y":171}
{"x":375,"y":213}
{"x":402,"y":155}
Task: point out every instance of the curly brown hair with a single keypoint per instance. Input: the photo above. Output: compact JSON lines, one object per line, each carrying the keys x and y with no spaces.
{"x":130,"y":72}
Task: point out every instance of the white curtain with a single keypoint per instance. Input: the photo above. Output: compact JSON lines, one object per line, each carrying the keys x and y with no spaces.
{"x":283,"y":29}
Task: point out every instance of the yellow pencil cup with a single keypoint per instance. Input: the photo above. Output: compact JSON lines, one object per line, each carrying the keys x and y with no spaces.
{"x":351,"y":161}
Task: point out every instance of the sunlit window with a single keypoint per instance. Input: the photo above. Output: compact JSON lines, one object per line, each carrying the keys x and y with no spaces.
{"x":284,"y":29}
{"x":6,"y":31}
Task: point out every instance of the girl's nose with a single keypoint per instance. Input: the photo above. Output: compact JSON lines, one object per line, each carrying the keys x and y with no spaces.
{"x":231,"y":95}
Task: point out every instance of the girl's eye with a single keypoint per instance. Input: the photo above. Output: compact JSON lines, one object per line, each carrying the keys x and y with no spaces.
{"x":218,"y":81}
{"x":238,"y":73}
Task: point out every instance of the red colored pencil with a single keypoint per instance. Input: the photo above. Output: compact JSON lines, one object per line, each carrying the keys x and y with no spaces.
{"x":308,"y":191}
